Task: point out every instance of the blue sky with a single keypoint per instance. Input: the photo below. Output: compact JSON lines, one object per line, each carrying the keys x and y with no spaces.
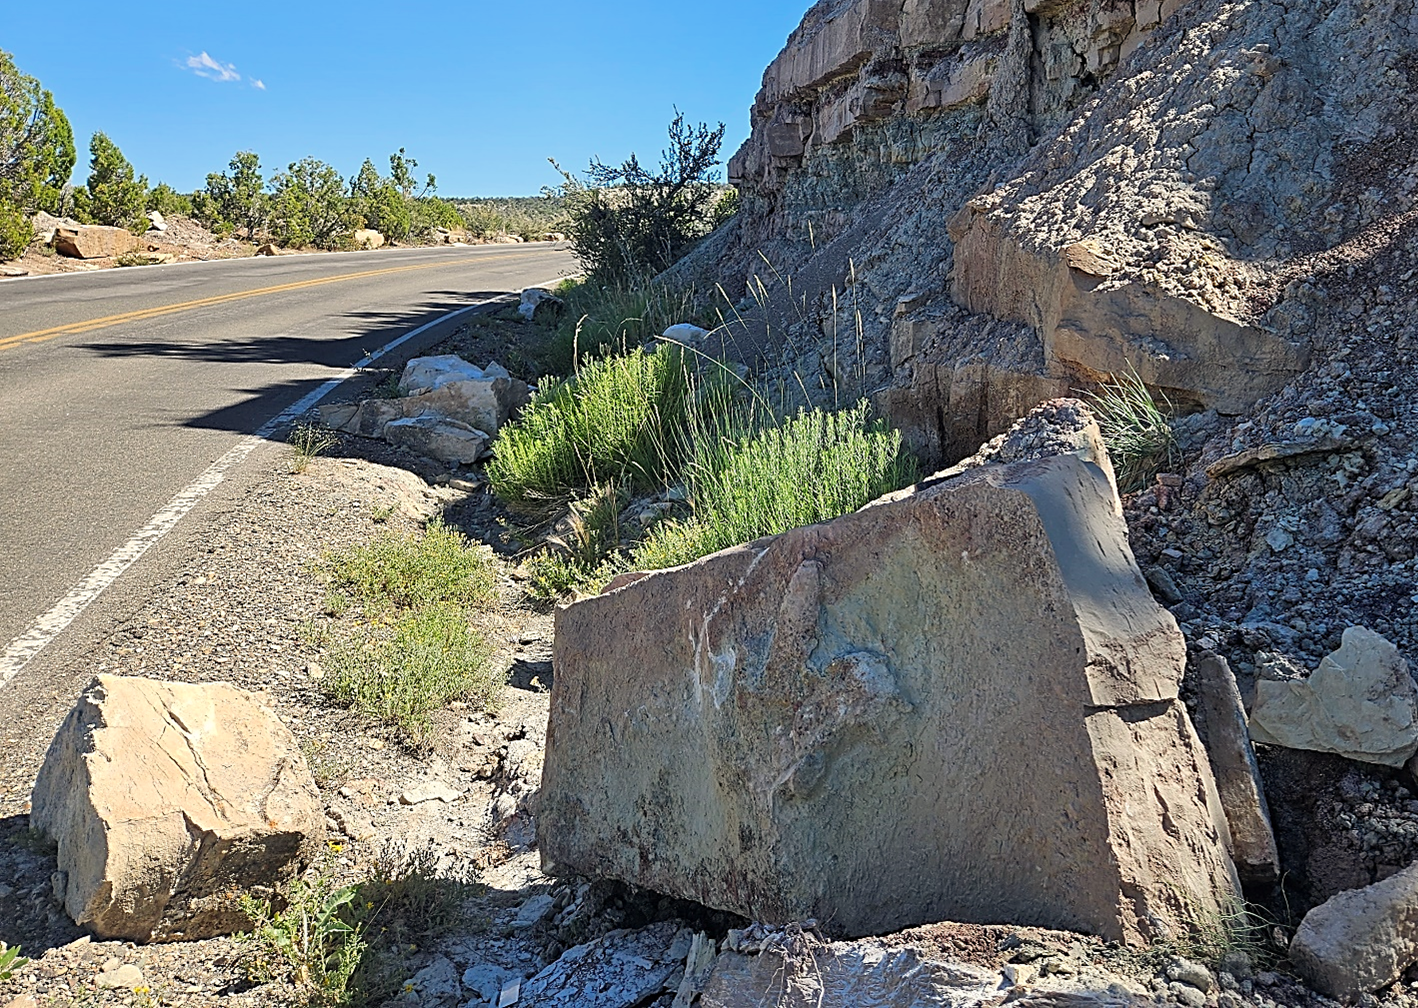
{"x":480,"y":93}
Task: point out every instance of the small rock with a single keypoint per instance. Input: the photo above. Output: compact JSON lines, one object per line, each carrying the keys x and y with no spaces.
{"x":533,"y":912}
{"x":23,"y":1001}
{"x":433,"y":791}
{"x":1190,"y":973}
{"x":486,"y":980}
{"x":689,"y":335}
{"x":128,"y":976}
{"x":1187,"y":994}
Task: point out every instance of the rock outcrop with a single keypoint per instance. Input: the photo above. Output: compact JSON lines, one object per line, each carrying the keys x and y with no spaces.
{"x":770,"y":726}
{"x":93,"y":241}
{"x":168,"y":798}
{"x":1015,"y":199}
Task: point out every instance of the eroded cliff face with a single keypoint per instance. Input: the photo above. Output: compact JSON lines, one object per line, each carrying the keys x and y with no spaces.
{"x":984,"y":203}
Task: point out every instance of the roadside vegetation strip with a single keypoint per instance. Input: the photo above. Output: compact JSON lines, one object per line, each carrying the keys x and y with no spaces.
{"x":53,"y":622}
{"x":89,"y":325}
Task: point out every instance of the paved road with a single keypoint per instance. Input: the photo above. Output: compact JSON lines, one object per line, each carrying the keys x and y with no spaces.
{"x":120,"y":388}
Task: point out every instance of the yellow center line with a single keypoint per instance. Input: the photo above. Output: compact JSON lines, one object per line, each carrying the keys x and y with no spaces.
{"x":89,"y":325}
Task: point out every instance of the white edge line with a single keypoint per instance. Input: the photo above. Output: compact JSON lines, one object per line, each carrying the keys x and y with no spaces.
{"x":48,"y":626}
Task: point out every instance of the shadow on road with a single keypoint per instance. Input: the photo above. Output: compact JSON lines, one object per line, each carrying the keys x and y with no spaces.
{"x":364,"y":332}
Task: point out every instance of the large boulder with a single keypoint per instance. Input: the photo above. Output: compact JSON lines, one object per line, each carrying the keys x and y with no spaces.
{"x":485,"y":398}
{"x":437,"y":437}
{"x":1362,"y":940}
{"x":367,"y":238}
{"x":93,"y":241}
{"x":1360,"y":703}
{"x":768,"y":727}
{"x":166,"y":799}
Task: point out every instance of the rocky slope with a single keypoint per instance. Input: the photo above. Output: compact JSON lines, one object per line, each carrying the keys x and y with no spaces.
{"x":970,"y":206}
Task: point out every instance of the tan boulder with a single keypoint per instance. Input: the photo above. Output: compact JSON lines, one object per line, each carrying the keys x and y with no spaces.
{"x":1362,"y":940}
{"x":93,"y":241}
{"x":367,"y":238}
{"x":969,"y":679}
{"x":168,"y":798}
{"x":1360,"y":703}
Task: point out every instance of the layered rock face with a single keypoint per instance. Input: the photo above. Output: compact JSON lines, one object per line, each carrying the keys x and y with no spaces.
{"x":969,"y":678}
{"x":168,"y":799}
{"x":1010,"y":198}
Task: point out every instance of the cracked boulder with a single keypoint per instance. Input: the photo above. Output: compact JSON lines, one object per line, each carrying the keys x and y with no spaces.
{"x":969,"y":678}
{"x":166,"y":800}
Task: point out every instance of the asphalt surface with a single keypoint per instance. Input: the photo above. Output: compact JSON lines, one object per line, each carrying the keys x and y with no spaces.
{"x":119,"y":388}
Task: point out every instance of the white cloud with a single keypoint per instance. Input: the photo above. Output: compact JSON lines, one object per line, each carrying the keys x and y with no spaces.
{"x":204,"y":66}
{"x":258,"y":84}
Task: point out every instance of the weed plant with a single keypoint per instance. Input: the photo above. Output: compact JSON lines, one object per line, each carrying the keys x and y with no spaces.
{"x":314,"y":941}
{"x":306,"y":442}
{"x":401,"y":673}
{"x":612,"y":318}
{"x":10,"y":961}
{"x":405,"y":572}
{"x":1213,"y":935}
{"x":1135,"y":429}
{"x":618,"y":420}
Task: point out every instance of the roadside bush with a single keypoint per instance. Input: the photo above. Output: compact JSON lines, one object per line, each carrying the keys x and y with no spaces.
{"x":617,"y":421}
{"x":309,"y":206}
{"x":16,"y":231}
{"x":629,"y":223}
{"x":168,"y":201}
{"x":237,"y":199}
{"x":810,"y":468}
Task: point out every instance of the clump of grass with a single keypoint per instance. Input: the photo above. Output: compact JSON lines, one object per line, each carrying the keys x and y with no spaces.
{"x":407,"y":571}
{"x":306,"y":442}
{"x":589,"y":535}
{"x":616,"y":421}
{"x":1135,"y":429}
{"x":613,"y":318}
{"x":811,"y":468}
{"x":1211,"y":937}
{"x":402,"y":672}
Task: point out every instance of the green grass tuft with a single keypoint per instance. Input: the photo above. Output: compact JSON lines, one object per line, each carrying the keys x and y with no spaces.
{"x":811,"y":468}
{"x":617,"y":422}
{"x":401,"y":673}
{"x":404,"y":572}
{"x":1135,"y":429}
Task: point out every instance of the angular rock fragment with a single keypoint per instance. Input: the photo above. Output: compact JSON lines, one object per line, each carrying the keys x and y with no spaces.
{"x":623,"y":969}
{"x":168,"y":798}
{"x":970,"y":678}
{"x":94,"y":241}
{"x":1361,"y":940}
{"x":1233,"y":762}
{"x":438,"y":437}
{"x":1360,"y":703}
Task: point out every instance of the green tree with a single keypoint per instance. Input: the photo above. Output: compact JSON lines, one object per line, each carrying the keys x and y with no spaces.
{"x":37,"y":151}
{"x":36,"y":156}
{"x":379,"y":203}
{"x":112,"y":195}
{"x":237,"y":199}
{"x":309,"y":206}
{"x":629,"y":223}
{"x":168,"y":201}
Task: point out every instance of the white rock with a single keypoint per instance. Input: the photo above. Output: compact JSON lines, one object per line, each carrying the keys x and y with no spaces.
{"x":1360,"y":703}
{"x":533,"y":912}
{"x":536,"y":301}
{"x":433,"y":791}
{"x":689,"y":335}
{"x":424,"y":374}
{"x":156,"y":221}
{"x":121,"y":977}
{"x":486,"y":980}
{"x":1361,"y":940}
